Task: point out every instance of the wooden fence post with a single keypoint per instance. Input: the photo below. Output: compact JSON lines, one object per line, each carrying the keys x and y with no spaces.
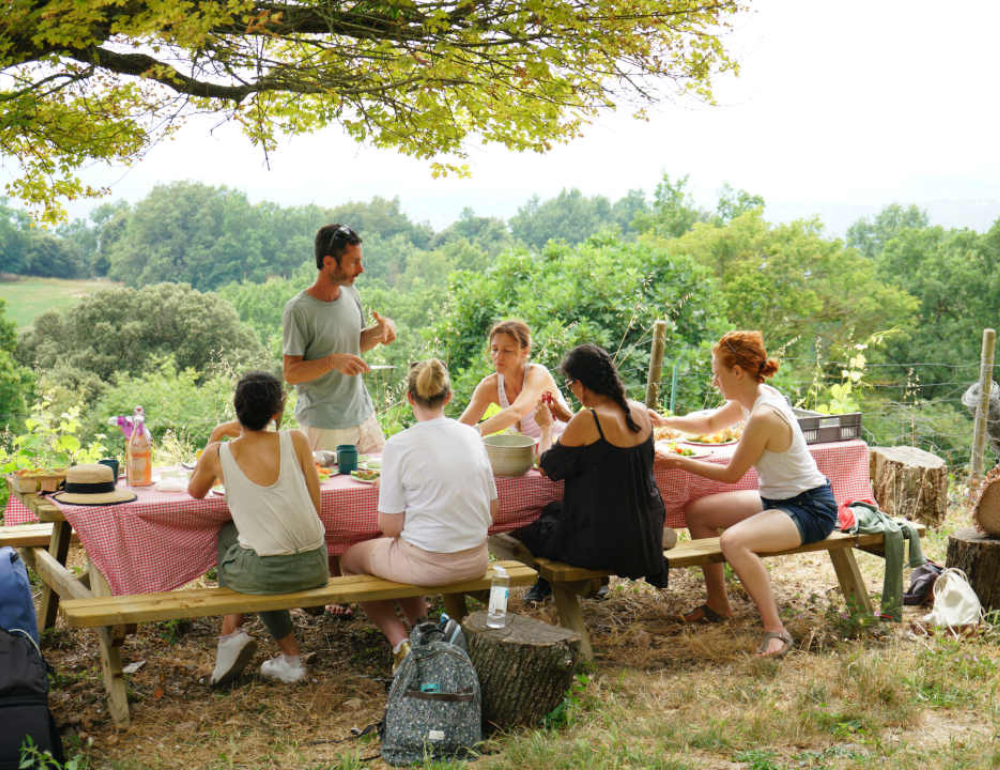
{"x":985,"y":388}
{"x":655,"y":364}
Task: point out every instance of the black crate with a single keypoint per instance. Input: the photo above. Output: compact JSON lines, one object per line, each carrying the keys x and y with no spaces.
{"x":823,"y":428}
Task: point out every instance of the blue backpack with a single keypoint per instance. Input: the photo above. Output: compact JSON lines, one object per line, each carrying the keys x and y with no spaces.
{"x":17,"y":609}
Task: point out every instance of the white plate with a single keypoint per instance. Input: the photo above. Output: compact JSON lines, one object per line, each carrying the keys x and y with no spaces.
{"x":188,"y":466}
{"x":364,"y":481}
{"x":219,"y":490}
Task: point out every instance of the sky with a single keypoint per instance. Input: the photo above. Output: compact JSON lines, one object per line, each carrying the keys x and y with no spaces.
{"x":841,"y":108}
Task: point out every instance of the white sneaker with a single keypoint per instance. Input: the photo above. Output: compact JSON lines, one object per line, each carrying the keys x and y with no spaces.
{"x":231,"y":657}
{"x":284,"y":671}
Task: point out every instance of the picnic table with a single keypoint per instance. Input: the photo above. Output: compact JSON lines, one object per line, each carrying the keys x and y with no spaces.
{"x":164,"y":540}
{"x":161,"y":541}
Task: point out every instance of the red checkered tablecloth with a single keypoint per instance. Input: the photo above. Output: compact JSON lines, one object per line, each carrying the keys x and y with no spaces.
{"x":164,"y":540}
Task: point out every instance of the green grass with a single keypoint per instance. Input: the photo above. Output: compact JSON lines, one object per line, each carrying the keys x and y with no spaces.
{"x":29,"y":297}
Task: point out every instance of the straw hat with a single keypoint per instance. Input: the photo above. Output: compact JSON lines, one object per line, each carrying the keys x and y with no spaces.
{"x":92,"y":485}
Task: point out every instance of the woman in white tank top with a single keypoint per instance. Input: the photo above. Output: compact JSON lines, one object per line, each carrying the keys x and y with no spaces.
{"x":275,"y":543}
{"x":518,"y":387}
{"x":793,"y":503}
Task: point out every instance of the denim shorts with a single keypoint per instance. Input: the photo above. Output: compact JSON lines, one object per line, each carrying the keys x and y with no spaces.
{"x":813,"y":511}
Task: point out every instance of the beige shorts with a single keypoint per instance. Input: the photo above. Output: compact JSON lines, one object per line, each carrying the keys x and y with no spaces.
{"x":392,"y":558}
{"x":367,"y":436}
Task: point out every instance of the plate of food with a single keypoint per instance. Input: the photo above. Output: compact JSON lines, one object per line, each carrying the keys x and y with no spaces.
{"x":218,"y":489}
{"x":663,"y":433}
{"x":723,"y":437}
{"x":324,"y":472}
{"x":366,"y":475}
{"x":671,"y":447}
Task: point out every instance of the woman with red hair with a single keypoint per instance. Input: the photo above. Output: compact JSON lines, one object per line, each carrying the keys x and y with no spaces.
{"x":793,"y":504}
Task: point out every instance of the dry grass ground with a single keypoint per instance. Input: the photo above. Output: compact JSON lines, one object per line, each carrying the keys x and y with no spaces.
{"x":660,"y":695}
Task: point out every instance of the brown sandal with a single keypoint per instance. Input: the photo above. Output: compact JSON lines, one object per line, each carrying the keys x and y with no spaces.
{"x":703,"y":614}
{"x":784,"y":636}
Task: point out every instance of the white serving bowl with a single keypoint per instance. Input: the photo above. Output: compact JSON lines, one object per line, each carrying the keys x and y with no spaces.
{"x":511,"y":454}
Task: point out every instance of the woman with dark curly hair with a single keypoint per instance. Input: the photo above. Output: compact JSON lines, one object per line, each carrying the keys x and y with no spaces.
{"x":611,"y":515}
{"x":275,"y":543}
{"x":793,"y":504}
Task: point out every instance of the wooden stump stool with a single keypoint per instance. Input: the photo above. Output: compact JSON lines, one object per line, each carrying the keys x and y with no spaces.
{"x":986,"y":509}
{"x":910,"y":483}
{"x":524,"y":669}
{"x":979,"y":556}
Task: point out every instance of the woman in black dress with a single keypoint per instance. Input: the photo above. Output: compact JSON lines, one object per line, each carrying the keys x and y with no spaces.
{"x":611,"y":515}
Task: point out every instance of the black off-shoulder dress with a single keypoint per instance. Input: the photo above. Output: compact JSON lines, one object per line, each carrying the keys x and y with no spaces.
{"x":611,"y":515}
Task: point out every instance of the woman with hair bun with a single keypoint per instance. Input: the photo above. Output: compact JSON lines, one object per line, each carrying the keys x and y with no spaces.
{"x":518,"y":387}
{"x":437,"y":499}
{"x":793,"y":504}
{"x":275,"y":543}
{"x":611,"y":515}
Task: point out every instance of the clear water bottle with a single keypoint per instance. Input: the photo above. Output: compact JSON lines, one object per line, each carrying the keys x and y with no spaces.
{"x":496,"y":615}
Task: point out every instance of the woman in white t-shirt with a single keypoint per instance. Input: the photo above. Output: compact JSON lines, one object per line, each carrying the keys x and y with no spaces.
{"x":793,"y":504}
{"x":436,"y":502}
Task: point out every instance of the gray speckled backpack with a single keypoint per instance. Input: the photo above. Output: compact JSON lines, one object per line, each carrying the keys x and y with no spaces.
{"x":435,"y":706}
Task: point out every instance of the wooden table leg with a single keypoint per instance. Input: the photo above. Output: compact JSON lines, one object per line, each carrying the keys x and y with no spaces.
{"x":851,"y":582}
{"x":111,"y":638}
{"x":62,"y":532}
{"x":567,"y":596}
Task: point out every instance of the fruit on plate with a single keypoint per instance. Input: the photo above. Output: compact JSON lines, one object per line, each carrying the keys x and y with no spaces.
{"x":365,"y":474}
{"x":683,"y":451}
{"x":323,"y":472}
{"x":724,"y":436}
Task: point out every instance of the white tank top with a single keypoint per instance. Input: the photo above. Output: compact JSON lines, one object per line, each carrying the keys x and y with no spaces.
{"x":276,"y":520}
{"x":785,"y":474}
{"x":528,"y":425}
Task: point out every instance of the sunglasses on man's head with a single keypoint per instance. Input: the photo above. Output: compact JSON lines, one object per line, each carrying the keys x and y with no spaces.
{"x":342,"y":233}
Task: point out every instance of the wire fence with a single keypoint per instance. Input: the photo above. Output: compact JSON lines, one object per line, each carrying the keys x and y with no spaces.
{"x":899,"y":405}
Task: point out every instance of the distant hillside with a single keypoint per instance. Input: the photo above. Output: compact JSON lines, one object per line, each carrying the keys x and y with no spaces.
{"x":27,"y":297}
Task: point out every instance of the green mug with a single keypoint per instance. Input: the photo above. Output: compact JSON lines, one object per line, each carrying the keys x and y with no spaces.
{"x":347,"y":458}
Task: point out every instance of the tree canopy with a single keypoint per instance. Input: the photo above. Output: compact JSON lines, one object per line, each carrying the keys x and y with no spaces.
{"x":103,"y":79}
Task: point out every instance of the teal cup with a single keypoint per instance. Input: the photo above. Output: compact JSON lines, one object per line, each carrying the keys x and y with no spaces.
{"x":347,"y":458}
{"x":113,"y":465}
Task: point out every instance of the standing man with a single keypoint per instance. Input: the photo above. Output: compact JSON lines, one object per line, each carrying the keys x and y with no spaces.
{"x":323,"y":338}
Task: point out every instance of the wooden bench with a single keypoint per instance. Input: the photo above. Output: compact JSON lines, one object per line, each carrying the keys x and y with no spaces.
{"x":117,"y":616}
{"x":570,"y":583}
{"x":28,"y":535}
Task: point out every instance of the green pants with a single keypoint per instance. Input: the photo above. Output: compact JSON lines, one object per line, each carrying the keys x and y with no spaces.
{"x":242,"y":570}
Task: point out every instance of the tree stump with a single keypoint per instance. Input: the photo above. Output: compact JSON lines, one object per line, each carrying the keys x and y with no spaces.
{"x":524,"y":669}
{"x":986,"y":509}
{"x":978,"y":555}
{"x":910,"y":483}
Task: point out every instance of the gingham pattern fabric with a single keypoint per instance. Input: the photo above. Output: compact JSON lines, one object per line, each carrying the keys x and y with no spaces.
{"x":163,"y":540}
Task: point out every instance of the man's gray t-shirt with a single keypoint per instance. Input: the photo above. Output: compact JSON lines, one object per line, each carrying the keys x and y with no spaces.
{"x":312,"y":328}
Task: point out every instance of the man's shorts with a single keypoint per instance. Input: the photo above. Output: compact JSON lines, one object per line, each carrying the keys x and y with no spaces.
{"x":367,"y":436}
